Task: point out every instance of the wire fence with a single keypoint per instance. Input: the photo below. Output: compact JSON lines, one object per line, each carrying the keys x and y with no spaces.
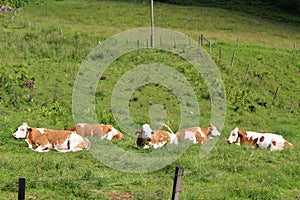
{"x":20,"y":186}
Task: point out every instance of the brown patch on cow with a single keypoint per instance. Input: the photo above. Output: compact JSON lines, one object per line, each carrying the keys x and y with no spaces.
{"x":242,"y":135}
{"x":261,"y":139}
{"x":32,"y":135}
{"x":35,"y":138}
{"x":114,"y":195}
{"x":95,"y":130}
{"x":206,"y":132}
{"x":274,"y":143}
{"x":198,"y":135}
{"x":181,"y":134}
{"x":199,"y":138}
{"x":160,"y":136}
{"x":56,"y":136}
{"x":119,"y":136}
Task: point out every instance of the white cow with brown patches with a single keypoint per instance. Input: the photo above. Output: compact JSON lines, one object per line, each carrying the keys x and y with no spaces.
{"x":103,"y":131}
{"x":253,"y":139}
{"x":44,"y":140}
{"x":146,"y":137}
{"x":198,"y":135}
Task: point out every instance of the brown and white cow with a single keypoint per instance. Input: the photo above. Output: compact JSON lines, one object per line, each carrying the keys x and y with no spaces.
{"x":270,"y":141}
{"x":44,"y":140}
{"x":146,"y":137}
{"x":198,"y":134}
{"x":98,"y":130}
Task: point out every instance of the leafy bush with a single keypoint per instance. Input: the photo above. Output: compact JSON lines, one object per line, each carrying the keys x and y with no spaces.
{"x":14,"y":3}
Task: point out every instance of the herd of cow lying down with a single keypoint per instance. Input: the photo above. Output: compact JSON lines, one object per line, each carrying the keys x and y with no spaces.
{"x":75,"y":139}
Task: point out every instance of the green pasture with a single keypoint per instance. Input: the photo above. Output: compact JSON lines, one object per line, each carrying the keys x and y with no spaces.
{"x":48,"y":41}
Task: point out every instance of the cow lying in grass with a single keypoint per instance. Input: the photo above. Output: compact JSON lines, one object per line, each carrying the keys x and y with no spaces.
{"x":98,"y":130}
{"x":44,"y":140}
{"x":146,"y":137}
{"x":198,"y":134}
{"x":270,"y":141}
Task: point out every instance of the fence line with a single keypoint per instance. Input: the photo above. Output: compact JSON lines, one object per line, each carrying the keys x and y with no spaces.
{"x":201,"y":40}
{"x":175,"y":192}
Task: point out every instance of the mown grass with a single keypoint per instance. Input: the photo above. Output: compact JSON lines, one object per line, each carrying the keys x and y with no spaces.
{"x":53,"y":59}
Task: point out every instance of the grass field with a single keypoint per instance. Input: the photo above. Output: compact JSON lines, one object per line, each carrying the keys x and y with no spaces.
{"x":51,"y":52}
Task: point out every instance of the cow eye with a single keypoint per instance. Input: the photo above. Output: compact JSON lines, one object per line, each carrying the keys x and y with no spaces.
{"x":233,"y":134}
{"x":152,"y":132}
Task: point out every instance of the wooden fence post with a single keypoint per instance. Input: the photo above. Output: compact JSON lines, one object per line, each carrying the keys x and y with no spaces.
{"x":232,"y":59}
{"x":177,"y":183}
{"x":160,"y":42}
{"x":175,"y":43}
{"x":275,"y":94}
{"x":201,"y":40}
{"x":21,"y":193}
{"x":246,"y":72}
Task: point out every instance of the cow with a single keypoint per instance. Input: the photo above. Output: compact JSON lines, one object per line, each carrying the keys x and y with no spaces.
{"x":146,"y":137}
{"x":198,"y":135}
{"x":98,"y":130}
{"x":44,"y":140}
{"x":270,"y":141}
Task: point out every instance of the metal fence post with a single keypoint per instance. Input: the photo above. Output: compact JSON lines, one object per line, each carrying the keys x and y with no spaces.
{"x":21,"y":193}
{"x":177,"y":183}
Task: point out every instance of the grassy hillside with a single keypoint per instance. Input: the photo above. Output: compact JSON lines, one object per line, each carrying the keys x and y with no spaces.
{"x":50,"y":52}
{"x":276,"y":10}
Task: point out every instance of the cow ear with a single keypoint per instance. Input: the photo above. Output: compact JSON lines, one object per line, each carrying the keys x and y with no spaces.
{"x":138,"y":132}
{"x":240,"y":135}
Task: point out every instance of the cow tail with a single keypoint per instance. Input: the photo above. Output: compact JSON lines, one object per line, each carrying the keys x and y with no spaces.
{"x":165,"y":125}
{"x":87,"y":143}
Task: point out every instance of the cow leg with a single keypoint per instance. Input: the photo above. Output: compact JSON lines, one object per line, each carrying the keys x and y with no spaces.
{"x":75,"y":149}
{"x":63,"y":151}
{"x":41,"y":149}
{"x":109,"y":136}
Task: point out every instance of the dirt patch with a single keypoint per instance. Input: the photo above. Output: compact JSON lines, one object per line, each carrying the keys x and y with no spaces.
{"x":114,"y":195}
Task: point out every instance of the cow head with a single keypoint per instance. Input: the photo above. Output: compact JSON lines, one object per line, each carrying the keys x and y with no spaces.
{"x":22,"y":131}
{"x":233,"y":138}
{"x":145,"y":132}
{"x":213,"y":131}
